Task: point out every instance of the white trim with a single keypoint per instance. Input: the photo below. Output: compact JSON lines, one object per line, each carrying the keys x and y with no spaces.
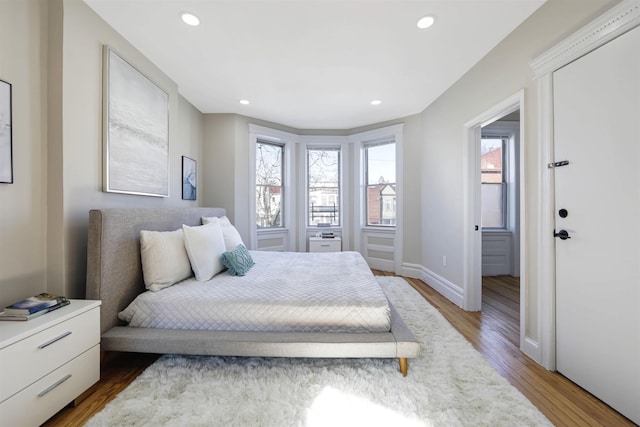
{"x":357,"y":196}
{"x":376,"y":133}
{"x":322,"y":140}
{"x":359,"y":223}
{"x":301,"y":196}
{"x":472,"y":238}
{"x":471,"y":235}
{"x":544,"y":238}
{"x":286,"y":139}
{"x":530,"y":347}
{"x":253,"y":229}
{"x":270,"y":134}
{"x":472,"y":275}
{"x":317,"y":141}
{"x":618,"y":20}
{"x":450,"y":290}
{"x":411,"y":270}
{"x":511,"y":170}
{"x":399,"y":199}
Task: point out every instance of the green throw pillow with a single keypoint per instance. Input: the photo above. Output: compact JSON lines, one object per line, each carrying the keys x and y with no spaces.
{"x":238,"y":261}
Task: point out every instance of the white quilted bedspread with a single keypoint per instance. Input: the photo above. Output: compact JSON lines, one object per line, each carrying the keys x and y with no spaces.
{"x":282,"y":292}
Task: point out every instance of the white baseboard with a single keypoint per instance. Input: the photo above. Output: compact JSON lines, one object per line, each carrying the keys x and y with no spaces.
{"x":411,"y":270}
{"x":455,"y":294}
{"x":381,"y":264}
{"x":449,"y":290}
{"x":531,"y":348}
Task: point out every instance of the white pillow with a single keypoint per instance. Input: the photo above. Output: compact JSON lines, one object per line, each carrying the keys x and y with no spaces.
{"x":231,"y":236}
{"x":204,"y":245}
{"x":164,"y":258}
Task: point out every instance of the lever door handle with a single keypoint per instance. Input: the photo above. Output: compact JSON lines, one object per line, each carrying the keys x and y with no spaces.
{"x":562,"y":234}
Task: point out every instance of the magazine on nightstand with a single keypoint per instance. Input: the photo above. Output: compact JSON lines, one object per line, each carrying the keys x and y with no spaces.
{"x":33,"y":307}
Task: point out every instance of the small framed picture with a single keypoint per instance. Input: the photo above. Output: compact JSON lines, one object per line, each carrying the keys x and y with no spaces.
{"x":6,"y":143}
{"x":189,"y":178}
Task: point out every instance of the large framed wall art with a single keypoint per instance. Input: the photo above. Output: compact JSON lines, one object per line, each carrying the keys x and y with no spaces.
{"x":136,"y":131}
{"x":6,"y":134}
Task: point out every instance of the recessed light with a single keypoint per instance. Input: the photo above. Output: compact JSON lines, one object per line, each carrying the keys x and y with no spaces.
{"x":376,"y":102}
{"x":190,"y":19}
{"x":244,"y":102}
{"x":425,"y":22}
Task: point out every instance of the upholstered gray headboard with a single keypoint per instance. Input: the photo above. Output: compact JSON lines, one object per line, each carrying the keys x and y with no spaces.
{"x":114,"y":270}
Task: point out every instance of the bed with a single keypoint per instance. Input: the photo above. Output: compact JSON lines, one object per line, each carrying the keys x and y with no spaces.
{"x":115,"y":276}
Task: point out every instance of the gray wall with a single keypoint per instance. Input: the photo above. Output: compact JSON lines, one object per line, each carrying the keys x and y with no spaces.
{"x":54,"y":60}
{"x":23,"y":210}
{"x":226,"y":154}
{"x":83,"y":36}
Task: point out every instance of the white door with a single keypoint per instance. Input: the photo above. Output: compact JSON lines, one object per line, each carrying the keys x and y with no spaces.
{"x":597,"y":129}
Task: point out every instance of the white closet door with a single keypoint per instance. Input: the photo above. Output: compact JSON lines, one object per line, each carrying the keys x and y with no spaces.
{"x":597,"y":129}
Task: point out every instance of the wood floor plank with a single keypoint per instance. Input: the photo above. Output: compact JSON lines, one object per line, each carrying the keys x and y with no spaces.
{"x":494,"y":332}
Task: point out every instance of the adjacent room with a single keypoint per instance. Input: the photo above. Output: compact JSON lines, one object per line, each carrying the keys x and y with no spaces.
{"x":342,"y":212}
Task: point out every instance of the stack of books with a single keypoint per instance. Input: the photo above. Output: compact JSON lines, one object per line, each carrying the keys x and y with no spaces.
{"x":327,"y":235}
{"x":33,"y":307}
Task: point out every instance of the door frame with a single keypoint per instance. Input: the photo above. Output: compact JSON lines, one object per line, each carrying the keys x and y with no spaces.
{"x":618,"y":20}
{"x":472,"y":236}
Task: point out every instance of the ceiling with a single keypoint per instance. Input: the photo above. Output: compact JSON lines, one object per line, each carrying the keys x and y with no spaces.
{"x":314,"y":64}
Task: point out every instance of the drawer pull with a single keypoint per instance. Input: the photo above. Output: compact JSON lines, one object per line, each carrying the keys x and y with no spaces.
{"x":53,"y":340}
{"x":54,"y":385}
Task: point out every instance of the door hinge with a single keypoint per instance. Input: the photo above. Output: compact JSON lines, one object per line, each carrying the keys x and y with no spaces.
{"x":558,"y":164}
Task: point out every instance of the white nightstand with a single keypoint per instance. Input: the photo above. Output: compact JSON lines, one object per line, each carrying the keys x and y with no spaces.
{"x":46,"y":362}
{"x":318,"y":244}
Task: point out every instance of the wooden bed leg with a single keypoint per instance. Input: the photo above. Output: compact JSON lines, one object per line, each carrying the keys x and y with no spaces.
{"x":404,"y":365}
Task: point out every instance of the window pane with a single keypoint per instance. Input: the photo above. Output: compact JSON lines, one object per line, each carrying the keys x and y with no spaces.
{"x":493,"y":185}
{"x":492,"y":205}
{"x":381,"y":164}
{"x":323,"y":193}
{"x":491,"y":160}
{"x":381,"y":184}
{"x":269,"y":206}
{"x":269,"y":190}
{"x":268,"y":164}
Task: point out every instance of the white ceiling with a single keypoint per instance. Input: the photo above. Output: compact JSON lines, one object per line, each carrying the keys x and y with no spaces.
{"x":314,"y":64}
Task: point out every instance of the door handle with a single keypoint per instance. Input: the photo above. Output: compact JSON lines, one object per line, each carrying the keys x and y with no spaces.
{"x":562,"y":234}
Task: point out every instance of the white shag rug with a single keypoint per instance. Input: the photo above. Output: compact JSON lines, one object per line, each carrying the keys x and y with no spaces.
{"x":449,"y":384}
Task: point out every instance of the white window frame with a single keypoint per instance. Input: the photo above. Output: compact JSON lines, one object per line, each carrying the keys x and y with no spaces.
{"x":361,"y":230}
{"x":365,"y":171}
{"x":285,"y":233}
{"x":511,"y":170}
{"x":318,"y":142}
{"x":326,"y":147}
{"x":283,"y":195}
{"x":506,"y":138}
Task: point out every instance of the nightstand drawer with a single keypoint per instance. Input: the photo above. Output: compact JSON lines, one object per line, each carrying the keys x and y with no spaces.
{"x":318,"y":244}
{"x":36,"y":403}
{"x":31,"y":358}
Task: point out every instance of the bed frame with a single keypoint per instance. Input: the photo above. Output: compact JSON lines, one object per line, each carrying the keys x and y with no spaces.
{"x":114,"y":276}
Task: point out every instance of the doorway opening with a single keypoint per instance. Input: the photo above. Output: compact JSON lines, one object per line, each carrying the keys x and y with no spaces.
{"x":500,"y":221}
{"x":495,"y":247}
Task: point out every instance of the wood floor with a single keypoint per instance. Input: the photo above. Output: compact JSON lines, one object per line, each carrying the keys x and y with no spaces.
{"x":494,"y":332}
